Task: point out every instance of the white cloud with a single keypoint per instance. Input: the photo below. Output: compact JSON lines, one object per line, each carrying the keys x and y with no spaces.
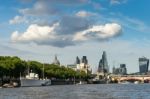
{"x":18,"y":20}
{"x":99,"y":32}
{"x":114,"y":2}
{"x":84,"y":14}
{"x":35,"y":32}
{"x":48,"y":35}
{"x":40,"y":8}
{"x":50,"y":7}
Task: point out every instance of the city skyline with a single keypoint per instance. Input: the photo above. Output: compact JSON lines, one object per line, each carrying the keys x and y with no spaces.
{"x":39,"y":29}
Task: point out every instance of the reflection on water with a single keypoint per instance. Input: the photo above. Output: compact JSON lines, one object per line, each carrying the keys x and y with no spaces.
{"x":98,"y":91}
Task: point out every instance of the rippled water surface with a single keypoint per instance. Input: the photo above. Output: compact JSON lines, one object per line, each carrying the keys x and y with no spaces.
{"x":97,"y":91}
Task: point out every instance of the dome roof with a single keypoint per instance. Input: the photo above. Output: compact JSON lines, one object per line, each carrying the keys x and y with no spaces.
{"x":56,"y":61}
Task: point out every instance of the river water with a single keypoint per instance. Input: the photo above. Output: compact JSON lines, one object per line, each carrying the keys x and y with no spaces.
{"x":97,"y":91}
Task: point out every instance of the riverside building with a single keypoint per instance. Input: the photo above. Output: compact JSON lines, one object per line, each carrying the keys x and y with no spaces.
{"x":81,"y":65}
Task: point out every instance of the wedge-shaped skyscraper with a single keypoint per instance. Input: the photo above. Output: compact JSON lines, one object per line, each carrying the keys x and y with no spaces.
{"x":103,"y":64}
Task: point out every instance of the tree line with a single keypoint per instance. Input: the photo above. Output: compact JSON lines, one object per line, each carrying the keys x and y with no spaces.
{"x":14,"y":67}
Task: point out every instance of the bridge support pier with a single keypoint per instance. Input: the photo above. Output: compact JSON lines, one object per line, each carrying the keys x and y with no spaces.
{"x":142,"y":80}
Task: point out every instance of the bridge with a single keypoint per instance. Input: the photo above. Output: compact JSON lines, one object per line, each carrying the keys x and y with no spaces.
{"x":131,"y":78}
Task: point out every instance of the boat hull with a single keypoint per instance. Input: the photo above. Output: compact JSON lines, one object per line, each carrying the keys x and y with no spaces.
{"x":34,"y":82}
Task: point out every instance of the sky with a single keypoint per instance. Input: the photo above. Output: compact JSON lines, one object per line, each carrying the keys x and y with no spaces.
{"x":39,"y":29}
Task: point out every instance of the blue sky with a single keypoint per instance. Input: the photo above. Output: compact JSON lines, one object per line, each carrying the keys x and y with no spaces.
{"x":39,"y":29}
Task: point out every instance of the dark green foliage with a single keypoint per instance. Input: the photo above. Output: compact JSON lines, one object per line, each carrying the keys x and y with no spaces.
{"x":13,"y":67}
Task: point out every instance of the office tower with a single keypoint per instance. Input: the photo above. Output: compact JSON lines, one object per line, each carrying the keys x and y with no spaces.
{"x":143,"y":65}
{"x":103,"y":64}
{"x":84,"y":60}
{"x":77,"y":60}
{"x":77,"y":63}
{"x":82,"y":65}
{"x":123,"y":69}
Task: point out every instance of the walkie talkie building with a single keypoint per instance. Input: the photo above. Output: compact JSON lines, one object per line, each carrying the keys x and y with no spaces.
{"x":143,"y":65}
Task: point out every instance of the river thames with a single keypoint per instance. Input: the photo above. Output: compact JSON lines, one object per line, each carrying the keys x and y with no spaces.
{"x":97,"y":91}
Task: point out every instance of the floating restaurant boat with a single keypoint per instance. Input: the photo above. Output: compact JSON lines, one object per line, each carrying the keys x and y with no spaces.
{"x":32,"y":79}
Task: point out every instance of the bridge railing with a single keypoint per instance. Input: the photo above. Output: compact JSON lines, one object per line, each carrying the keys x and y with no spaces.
{"x":130,"y":75}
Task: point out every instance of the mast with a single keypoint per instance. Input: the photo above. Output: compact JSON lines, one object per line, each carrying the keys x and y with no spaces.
{"x":43,"y":71}
{"x":28,"y":68}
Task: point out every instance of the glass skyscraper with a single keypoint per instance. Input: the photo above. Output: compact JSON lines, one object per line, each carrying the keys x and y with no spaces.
{"x":143,"y":65}
{"x":103,"y":64}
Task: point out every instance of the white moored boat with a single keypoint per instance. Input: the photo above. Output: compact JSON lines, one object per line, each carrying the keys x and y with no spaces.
{"x":32,"y":79}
